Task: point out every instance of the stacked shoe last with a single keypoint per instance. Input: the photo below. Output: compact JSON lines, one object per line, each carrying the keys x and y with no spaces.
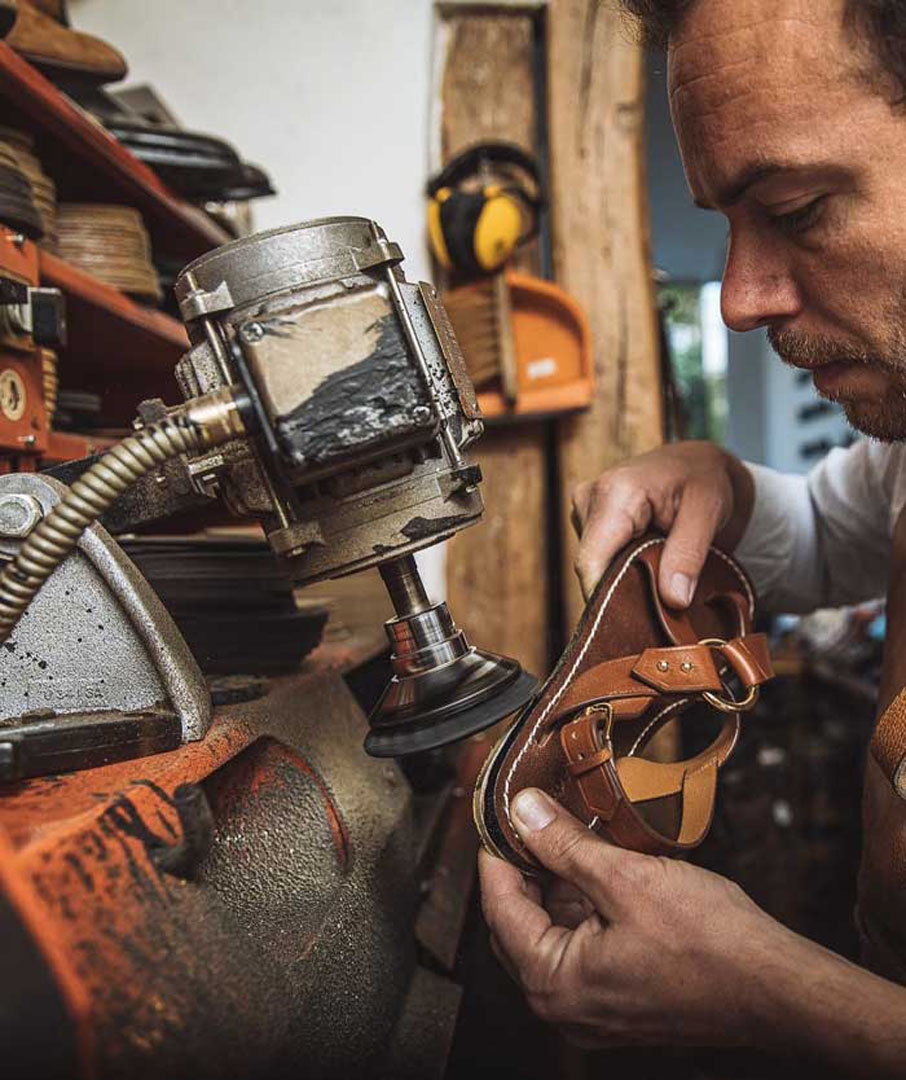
{"x":19,"y":146}
{"x":109,"y":242}
{"x":17,"y":202}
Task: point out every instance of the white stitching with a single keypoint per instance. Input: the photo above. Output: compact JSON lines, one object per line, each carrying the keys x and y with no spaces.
{"x":550,"y":705}
{"x":735,"y":567}
{"x":713,"y":761}
{"x":651,"y":723}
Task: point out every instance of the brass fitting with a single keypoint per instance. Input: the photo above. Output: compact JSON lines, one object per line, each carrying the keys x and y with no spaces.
{"x":216,"y":415}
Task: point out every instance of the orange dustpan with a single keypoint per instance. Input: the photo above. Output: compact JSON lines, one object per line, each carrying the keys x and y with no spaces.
{"x":527,"y":345}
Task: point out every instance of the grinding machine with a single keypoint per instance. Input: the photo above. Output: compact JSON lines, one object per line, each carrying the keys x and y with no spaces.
{"x":228,"y":885}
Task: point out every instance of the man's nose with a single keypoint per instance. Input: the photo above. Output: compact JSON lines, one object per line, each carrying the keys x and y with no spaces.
{"x":758,"y":288}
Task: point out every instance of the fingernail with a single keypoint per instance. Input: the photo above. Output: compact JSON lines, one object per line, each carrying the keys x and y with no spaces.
{"x":681,"y":584}
{"x":532,"y":811}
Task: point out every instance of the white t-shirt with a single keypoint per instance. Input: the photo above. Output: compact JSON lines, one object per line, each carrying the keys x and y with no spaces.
{"x":824,"y":539}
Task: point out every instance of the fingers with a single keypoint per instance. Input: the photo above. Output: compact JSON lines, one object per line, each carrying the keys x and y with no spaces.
{"x":697,"y":520}
{"x":572,"y":851}
{"x":517,"y":922}
{"x":613,"y":516}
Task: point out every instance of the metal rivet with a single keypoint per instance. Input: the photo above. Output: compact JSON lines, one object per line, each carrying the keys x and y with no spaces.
{"x":686,"y":665}
{"x":662,"y":665}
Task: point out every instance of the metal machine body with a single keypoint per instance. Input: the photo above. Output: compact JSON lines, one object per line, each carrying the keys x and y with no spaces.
{"x":326,"y":396}
{"x":365,"y":406}
{"x":366,"y":410}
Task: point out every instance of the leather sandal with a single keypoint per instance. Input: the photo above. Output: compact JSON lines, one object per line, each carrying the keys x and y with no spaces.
{"x":633,"y":666}
{"x":61,"y":52}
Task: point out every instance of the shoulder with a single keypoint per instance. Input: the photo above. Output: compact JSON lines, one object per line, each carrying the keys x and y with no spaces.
{"x":890,"y":463}
{"x":884,"y":473}
{"x":868,"y":480}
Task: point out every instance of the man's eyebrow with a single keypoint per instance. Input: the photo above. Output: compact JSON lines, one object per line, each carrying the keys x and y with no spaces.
{"x":731,"y":193}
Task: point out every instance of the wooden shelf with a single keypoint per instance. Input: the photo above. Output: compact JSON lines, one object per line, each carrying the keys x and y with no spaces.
{"x":86,"y":162}
{"x":117,"y":348}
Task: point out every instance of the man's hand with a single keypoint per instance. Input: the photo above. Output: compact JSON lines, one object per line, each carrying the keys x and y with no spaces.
{"x":629,"y":948}
{"x":693,"y":491}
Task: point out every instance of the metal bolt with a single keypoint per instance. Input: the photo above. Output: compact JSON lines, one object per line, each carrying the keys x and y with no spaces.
{"x":662,"y":665}
{"x":686,"y":666}
{"x":28,"y":440}
{"x":253,"y":332}
{"x":19,"y":514}
{"x":19,"y":240}
{"x":421,"y":414}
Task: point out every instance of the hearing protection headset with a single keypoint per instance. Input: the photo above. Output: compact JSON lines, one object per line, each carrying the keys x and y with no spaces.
{"x":475,"y":232}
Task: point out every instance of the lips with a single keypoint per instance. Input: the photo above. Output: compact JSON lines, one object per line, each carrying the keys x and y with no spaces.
{"x":842,"y":379}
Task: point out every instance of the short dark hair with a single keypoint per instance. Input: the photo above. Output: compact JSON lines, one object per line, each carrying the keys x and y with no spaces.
{"x":881,"y":24}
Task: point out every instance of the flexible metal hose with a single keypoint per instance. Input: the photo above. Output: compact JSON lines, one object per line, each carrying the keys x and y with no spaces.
{"x":88,"y":498}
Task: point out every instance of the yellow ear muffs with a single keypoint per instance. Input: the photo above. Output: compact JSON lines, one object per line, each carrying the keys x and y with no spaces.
{"x":474,"y":232}
{"x":436,"y":229}
{"x":498,"y":229}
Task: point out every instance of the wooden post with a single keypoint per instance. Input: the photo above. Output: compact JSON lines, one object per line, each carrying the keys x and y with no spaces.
{"x":497,"y":571}
{"x":601,"y":243}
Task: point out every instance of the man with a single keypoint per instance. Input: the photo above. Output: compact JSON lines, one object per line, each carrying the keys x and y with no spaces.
{"x":790,"y":121}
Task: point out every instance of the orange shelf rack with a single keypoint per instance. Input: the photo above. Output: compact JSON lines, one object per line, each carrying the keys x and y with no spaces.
{"x":120,"y":349}
{"x":86,"y":162}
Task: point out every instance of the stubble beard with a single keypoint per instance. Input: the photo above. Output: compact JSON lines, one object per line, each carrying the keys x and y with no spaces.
{"x":882,"y":417}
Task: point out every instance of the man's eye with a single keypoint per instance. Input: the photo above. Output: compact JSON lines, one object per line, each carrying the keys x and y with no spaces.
{"x":801,"y":219}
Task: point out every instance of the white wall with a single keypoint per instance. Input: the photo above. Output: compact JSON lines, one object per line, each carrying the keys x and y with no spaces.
{"x":330,"y":96}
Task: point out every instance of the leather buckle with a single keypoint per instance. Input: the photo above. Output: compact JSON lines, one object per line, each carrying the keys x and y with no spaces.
{"x":728,"y":704}
{"x":599,"y":708}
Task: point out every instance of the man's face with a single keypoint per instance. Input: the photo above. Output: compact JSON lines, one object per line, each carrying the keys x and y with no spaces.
{"x":783,"y":131}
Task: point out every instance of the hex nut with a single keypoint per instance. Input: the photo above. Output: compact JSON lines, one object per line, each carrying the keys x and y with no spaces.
{"x":19,"y":514}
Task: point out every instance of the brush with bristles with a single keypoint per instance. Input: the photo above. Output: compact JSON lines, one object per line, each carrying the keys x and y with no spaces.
{"x":481,"y":316}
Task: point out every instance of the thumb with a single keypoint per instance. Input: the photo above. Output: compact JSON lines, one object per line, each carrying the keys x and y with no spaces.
{"x":570,"y":849}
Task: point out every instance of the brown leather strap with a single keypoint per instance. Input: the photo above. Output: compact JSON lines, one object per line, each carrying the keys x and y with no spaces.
{"x":611,"y":787}
{"x":671,"y":669}
{"x":582,"y":742}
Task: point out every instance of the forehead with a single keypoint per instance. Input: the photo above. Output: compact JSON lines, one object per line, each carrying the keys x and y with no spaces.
{"x":761,"y":78}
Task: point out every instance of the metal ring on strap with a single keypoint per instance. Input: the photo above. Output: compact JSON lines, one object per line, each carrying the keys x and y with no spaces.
{"x":728,"y":704}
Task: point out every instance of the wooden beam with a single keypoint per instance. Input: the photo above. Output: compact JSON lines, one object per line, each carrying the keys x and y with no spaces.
{"x":601,"y":243}
{"x":457,"y":7}
{"x":497,"y":571}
